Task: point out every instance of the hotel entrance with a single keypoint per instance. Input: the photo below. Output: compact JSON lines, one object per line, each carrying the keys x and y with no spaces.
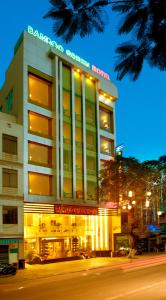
{"x":59,"y":235}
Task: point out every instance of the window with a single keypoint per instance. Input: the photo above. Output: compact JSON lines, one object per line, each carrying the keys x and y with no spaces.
{"x":10,"y":178}
{"x":9,"y":144}
{"x":106,"y":120}
{"x":91,"y":190}
{"x":91,"y":165}
{"x":66,"y":103}
{"x":10,"y":215}
{"x":40,"y":125}
{"x":39,"y":154}
{"x":40,"y":91}
{"x":91,"y":140}
{"x":90,"y":112}
{"x":106,"y":146}
{"x":66,"y":133}
{"x":40,"y":184}
{"x":67,"y":160}
{"x":78,"y":108}
{"x":68,"y":190}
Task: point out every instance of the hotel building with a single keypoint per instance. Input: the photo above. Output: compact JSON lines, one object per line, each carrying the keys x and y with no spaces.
{"x":66,"y":109}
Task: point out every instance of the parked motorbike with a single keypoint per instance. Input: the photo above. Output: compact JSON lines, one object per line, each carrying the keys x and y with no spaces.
{"x":7,"y":269}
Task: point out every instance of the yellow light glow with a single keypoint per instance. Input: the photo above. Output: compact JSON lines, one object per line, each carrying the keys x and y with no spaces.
{"x":129,"y":206}
{"x":93,"y":231}
{"x":133,"y":202}
{"x":130,"y":194}
{"x":148,"y":193}
{"x":30,"y":127}
{"x":30,"y":95}
{"x":147,"y":203}
{"x":90,"y":77}
{"x":85,"y":241}
{"x":104,"y":94}
{"x":97,"y":238}
{"x":78,"y":70}
{"x":101,"y":232}
{"x":30,"y":190}
{"x":106,"y":230}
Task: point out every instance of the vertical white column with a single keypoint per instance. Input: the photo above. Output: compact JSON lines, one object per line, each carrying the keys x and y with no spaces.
{"x":57,"y":126}
{"x":73,"y":135}
{"x":98,"y":129}
{"x":84,"y":137}
{"x":61,"y":127}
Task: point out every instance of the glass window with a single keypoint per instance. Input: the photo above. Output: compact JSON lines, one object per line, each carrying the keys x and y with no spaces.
{"x":9,"y":144}
{"x":91,"y":165}
{"x":89,"y":90}
{"x":10,"y":178}
{"x":39,"y":124}
{"x":90,"y":112}
{"x":78,"y":108}
{"x":66,"y":103}
{"x":10,"y":215}
{"x":40,"y":91}
{"x":78,"y":83}
{"x":106,"y":146}
{"x":91,"y":190}
{"x":79,"y":189}
{"x":66,"y":77}
{"x":40,"y":184}
{"x":67,"y":133}
{"x":90,"y":140}
{"x":39,"y":154}
{"x":106,"y":120}
{"x":67,"y":160}
{"x":68,"y":191}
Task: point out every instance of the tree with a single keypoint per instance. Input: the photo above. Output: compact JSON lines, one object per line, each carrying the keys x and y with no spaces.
{"x":119,"y":176}
{"x":144,"y":19}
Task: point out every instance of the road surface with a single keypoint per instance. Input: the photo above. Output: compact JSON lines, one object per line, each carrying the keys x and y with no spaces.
{"x":147,"y":283}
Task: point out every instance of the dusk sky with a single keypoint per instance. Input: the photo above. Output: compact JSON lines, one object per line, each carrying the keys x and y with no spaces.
{"x":141,"y":106}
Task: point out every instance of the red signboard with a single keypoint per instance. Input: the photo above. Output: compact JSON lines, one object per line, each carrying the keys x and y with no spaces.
{"x":75,"y":210}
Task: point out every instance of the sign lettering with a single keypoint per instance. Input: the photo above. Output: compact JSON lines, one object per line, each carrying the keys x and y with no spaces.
{"x":75,"y":210}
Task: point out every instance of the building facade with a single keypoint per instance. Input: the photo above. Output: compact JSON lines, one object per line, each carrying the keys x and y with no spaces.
{"x":67,"y":113}
{"x":11,"y":190}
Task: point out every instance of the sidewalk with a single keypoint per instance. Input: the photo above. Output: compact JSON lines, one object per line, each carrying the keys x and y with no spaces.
{"x":32,"y":272}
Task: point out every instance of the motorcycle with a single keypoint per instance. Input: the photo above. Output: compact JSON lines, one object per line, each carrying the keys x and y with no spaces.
{"x":7,"y":269}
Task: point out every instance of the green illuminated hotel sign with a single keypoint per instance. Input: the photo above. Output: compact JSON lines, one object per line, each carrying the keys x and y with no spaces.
{"x":69,"y":53}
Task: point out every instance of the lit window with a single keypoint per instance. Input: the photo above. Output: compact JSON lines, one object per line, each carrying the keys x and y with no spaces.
{"x":39,"y":154}
{"x":106,"y":120}
{"x":39,"y":91}
{"x":39,"y":124}
{"x":40,"y":184}
{"x":106,"y":146}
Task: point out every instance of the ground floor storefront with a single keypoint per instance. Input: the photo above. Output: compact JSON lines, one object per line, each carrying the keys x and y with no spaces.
{"x":11,"y":251}
{"x":62,"y":234}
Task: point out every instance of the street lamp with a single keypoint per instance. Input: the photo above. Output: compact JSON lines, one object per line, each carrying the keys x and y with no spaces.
{"x":159,"y":213}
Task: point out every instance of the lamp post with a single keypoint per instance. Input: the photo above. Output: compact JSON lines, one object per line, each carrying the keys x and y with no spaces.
{"x":147,"y":204}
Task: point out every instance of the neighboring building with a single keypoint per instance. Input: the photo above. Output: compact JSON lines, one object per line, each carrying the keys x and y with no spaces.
{"x":11,"y":190}
{"x":67,"y":112}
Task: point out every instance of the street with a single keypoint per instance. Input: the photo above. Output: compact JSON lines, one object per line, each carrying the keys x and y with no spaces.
{"x":99,"y":284}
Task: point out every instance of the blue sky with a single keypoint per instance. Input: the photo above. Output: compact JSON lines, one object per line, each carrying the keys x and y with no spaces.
{"x":141,"y":107}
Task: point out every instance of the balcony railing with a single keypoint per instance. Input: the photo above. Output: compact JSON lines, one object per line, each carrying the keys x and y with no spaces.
{"x":9,"y":157}
{"x":9,"y":191}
